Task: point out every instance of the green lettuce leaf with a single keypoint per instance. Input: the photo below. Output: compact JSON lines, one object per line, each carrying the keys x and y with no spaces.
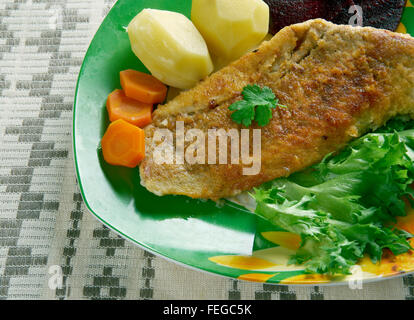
{"x":343,"y":207}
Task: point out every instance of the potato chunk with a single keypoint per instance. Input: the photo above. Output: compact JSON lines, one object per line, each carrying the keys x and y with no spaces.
{"x":170,"y":46}
{"x":230,"y":28}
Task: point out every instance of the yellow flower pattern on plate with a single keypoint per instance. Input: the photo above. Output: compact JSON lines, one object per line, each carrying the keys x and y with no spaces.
{"x":242,"y":262}
{"x":285,"y":239}
{"x":256,"y":277}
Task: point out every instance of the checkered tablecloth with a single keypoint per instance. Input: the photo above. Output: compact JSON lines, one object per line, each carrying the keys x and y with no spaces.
{"x":44,"y":226}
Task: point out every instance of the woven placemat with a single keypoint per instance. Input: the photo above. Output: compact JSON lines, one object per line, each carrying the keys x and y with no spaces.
{"x":50,"y":246}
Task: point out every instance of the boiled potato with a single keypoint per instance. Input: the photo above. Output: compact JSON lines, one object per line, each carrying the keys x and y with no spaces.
{"x":170,"y":46}
{"x":230,"y":28}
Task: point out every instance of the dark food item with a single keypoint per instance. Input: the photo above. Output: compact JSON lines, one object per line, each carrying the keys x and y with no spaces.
{"x":382,"y":14}
{"x":286,"y":12}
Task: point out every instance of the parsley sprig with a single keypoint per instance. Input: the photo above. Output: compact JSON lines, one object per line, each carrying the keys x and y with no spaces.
{"x":257,"y":105}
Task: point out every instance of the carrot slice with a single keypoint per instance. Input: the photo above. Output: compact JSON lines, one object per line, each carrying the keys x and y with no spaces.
{"x":119,"y":106}
{"x":142,"y":86}
{"x":123,"y":144}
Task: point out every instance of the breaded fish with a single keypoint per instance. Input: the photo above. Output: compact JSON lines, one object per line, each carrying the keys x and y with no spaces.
{"x":338,"y":82}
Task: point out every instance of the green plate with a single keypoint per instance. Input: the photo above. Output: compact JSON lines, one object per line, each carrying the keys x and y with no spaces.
{"x":199,"y":234}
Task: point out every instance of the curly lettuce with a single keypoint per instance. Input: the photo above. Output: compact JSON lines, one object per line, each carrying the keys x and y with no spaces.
{"x":343,"y":207}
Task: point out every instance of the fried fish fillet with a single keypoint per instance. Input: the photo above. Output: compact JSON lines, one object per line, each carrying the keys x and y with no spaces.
{"x":338,"y":82}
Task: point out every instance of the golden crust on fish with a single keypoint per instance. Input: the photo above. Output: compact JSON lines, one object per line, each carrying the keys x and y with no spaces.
{"x":338,"y":83}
